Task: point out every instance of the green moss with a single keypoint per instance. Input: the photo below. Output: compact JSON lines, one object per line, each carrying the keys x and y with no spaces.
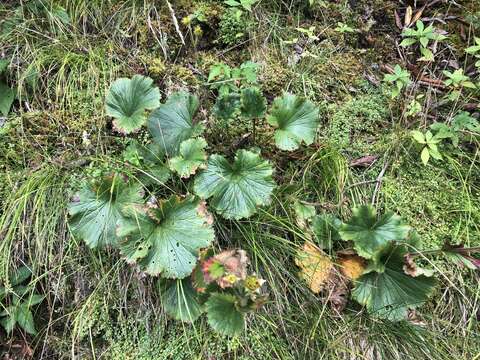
{"x":433,"y":202}
{"x":233,"y":28}
{"x":354,"y":125}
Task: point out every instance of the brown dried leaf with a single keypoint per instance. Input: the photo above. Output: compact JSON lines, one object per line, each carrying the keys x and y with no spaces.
{"x":315,"y":266}
{"x":364,"y":161}
{"x":352,"y":266}
{"x":408,"y":16}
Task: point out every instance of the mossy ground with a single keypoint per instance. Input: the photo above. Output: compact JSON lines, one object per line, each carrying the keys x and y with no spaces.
{"x":57,"y":135}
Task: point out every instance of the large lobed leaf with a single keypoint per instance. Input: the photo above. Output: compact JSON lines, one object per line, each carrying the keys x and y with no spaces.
{"x":236,"y":189}
{"x":296,"y":120}
{"x":127,"y":100}
{"x":173,"y":123}
{"x":165,"y":239}
{"x":97,"y":208}
{"x":223,"y":315}
{"x":371,"y":234}
{"x":390,"y":293}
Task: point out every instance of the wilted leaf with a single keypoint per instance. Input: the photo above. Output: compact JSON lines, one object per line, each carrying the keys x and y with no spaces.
{"x":96,"y":210}
{"x":315,"y":266}
{"x":128,"y":99}
{"x":166,"y":238}
{"x":223,"y":315}
{"x":192,"y":155}
{"x":296,"y":120}
{"x":351,"y":266}
{"x":226,"y":268}
{"x":236,"y":189}
{"x":172,"y":122}
{"x":371,"y":234}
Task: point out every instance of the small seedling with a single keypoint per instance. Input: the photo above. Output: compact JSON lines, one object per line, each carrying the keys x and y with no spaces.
{"x":400,"y":79}
{"x":344,"y":28}
{"x":245,"y":4}
{"x":429,"y":142}
{"x":422,"y":36}
{"x":475,"y":51}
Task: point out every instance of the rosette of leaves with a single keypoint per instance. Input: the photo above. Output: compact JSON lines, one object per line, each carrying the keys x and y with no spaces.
{"x":18,"y":300}
{"x":128,"y":99}
{"x":191,"y":156}
{"x":165,"y":238}
{"x":236,"y":189}
{"x":372,"y":234}
{"x":173,"y":122}
{"x":389,"y":292}
{"x":219,"y":286}
{"x":295,"y":119}
{"x":99,"y":206}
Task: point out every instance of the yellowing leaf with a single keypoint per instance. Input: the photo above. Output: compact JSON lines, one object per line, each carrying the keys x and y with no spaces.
{"x":315,"y":266}
{"x":351,"y":266}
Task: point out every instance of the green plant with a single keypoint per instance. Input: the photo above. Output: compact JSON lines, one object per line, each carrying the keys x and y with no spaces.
{"x":460,"y":123}
{"x":400,"y":79}
{"x":233,"y":29}
{"x":458,"y":79}
{"x":19,"y":300}
{"x":295,"y":119}
{"x":344,"y":28}
{"x":128,"y":99}
{"x":385,"y":279}
{"x":228,"y":80}
{"x":415,"y":106}
{"x":475,"y":51}
{"x":429,"y":144}
{"x":245,"y":4}
{"x":421,"y":35}
{"x":7,"y":94}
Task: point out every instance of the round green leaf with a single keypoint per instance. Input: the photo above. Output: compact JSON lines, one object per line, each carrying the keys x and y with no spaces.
{"x":236,"y":189}
{"x":164,"y":239}
{"x":180,"y":300}
{"x":192,"y":156}
{"x":223,"y":315}
{"x":371,"y":234}
{"x":296,"y":120}
{"x":226,"y":106}
{"x":128,"y":99}
{"x":172,"y":122}
{"x":97,"y":208}
{"x":389,"y":294}
{"x":253,"y":104}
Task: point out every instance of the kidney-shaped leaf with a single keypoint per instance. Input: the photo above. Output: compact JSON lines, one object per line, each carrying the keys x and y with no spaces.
{"x":180,"y":300}
{"x":165,"y":238}
{"x":192,"y":155}
{"x":296,"y":120}
{"x":371,"y":234}
{"x":223,"y":316}
{"x":236,"y":189}
{"x":389,"y":294}
{"x":172,"y":122}
{"x":128,"y":99}
{"x":97,"y":208}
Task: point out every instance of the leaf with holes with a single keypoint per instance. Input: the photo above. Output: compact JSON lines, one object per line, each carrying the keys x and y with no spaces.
{"x":173,"y":123}
{"x":223,"y":315}
{"x":372,"y":234}
{"x":128,"y":99}
{"x":296,"y":120}
{"x":97,"y":208}
{"x":390,"y":293}
{"x":192,"y":156}
{"x":236,"y":189}
{"x":165,"y":238}
{"x":180,"y":299}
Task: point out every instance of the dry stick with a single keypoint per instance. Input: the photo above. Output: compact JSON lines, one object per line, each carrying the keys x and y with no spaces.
{"x":175,"y":22}
{"x":379,"y":182}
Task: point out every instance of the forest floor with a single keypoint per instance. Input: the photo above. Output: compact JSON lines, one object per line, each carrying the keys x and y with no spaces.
{"x":61,"y":57}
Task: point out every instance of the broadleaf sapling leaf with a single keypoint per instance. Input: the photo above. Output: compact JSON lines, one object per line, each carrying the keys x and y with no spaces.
{"x":223,"y":315}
